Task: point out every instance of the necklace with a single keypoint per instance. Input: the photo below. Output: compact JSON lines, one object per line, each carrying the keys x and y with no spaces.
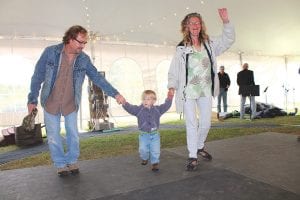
{"x":197,"y":48}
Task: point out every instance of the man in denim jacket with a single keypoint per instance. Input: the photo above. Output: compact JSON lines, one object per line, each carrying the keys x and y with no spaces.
{"x":61,"y":70}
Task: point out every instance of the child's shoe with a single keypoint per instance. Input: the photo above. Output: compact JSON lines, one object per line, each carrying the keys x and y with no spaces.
{"x":155,"y":167}
{"x":144,"y":162}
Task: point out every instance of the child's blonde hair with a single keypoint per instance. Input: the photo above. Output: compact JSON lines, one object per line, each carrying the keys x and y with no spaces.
{"x":150,"y":93}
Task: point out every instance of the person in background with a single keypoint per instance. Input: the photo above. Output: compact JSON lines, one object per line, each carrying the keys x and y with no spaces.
{"x":193,"y":75}
{"x":224,"y":85}
{"x":60,"y":71}
{"x":148,"y":116}
{"x":246,"y":78}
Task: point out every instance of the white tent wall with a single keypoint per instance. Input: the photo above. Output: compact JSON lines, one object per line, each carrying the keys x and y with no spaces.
{"x":133,"y":67}
{"x":292,"y":82}
{"x":17,"y":65}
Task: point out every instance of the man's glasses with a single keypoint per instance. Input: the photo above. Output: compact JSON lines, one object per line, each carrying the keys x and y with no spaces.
{"x":80,"y":42}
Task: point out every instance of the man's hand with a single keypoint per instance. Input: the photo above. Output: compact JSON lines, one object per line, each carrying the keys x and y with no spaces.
{"x":30,"y":107}
{"x":224,"y":15}
{"x":120,"y":99}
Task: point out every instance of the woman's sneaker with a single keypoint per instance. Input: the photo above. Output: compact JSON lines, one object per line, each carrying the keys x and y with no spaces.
{"x":204,"y":154}
{"x":191,"y":164}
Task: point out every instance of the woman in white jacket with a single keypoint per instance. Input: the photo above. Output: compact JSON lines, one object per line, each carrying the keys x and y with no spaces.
{"x":193,"y":75}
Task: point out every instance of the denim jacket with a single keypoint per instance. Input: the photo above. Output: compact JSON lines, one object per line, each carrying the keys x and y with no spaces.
{"x":46,"y":71}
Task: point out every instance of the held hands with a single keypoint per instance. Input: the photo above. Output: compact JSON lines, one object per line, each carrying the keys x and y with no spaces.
{"x":224,"y":15}
{"x":120,"y":99}
{"x":171,"y":93}
{"x":30,"y":107}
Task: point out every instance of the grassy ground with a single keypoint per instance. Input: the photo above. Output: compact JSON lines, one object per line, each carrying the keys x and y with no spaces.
{"x":8,"y":148}
{"x":286,"y":120}
{"x":113,"y":145}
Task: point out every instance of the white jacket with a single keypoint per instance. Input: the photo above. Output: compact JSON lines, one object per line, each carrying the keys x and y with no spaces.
{"x":176,"y":75}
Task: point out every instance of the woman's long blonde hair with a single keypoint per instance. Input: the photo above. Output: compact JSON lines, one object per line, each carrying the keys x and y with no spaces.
{"x":186,"y":34}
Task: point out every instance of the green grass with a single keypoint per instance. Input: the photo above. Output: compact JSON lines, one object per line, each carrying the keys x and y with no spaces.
{"x":286,"y":120}
{"x":8,"y":148}
{"x":115,"y":145}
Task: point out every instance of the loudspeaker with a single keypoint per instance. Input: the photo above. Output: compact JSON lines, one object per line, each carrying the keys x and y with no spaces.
{"x":249,"y":90}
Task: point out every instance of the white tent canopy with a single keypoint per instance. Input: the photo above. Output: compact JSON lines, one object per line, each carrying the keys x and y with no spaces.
{"x":137,"y":38}
{"x":269,"y":27}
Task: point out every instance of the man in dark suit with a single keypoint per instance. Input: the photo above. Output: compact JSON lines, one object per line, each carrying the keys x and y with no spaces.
{"x":246,"y":78}
{"x":224,"y":85}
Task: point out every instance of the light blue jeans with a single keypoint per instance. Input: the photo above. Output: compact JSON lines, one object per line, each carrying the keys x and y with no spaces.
{"x":59,"y":157}
{"x":149,"y":146}
{"x":222,"y":95}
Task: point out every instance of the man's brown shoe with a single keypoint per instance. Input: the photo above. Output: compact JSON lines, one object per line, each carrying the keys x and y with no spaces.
{"x":63,"y":171}
{"x":73,"y":168}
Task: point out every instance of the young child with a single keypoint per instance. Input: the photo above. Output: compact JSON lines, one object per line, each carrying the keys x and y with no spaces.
{"x":148,"y":117}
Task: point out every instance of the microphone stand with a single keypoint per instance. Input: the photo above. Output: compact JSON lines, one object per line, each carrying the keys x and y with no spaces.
{"x":265,"y":91}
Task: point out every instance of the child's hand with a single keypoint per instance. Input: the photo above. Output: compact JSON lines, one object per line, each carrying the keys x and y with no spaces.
{"x":171,"y":91}
{"x":120,"y":99}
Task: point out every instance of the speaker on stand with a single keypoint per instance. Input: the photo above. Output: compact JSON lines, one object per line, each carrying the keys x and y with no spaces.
{"x":99,"y":118}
